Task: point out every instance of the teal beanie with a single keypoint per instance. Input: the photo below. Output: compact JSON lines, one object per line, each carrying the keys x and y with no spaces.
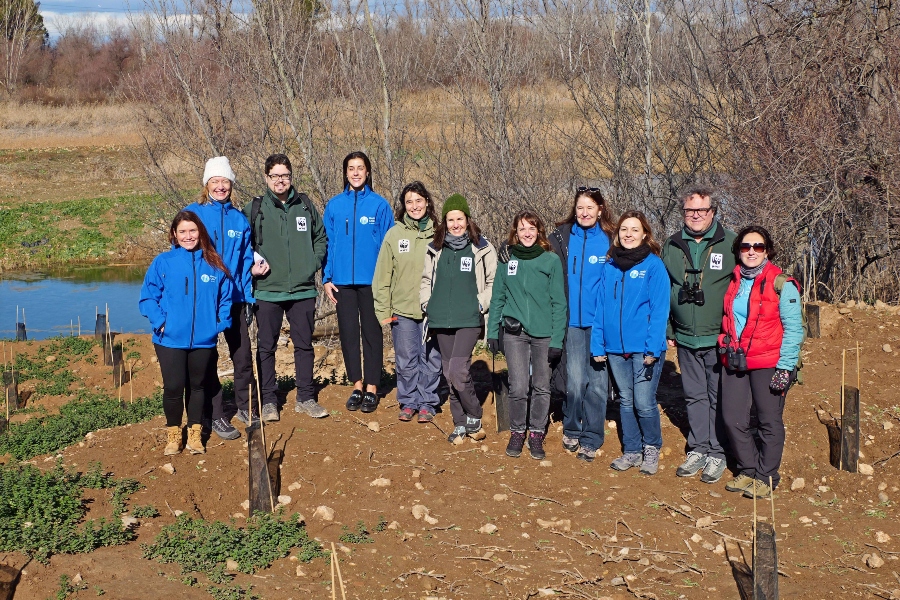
{"x":456,"y":202}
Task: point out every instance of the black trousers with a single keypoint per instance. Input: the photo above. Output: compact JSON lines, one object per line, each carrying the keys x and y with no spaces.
{"x":185,"y":369}
{"x":238,"y":339}
{"x":743,"y":391}
{"x":301,"y":315}
{"x":356,"y":313}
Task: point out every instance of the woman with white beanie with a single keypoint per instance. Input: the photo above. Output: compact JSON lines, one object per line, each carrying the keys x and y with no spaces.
{"x":229,"y":232}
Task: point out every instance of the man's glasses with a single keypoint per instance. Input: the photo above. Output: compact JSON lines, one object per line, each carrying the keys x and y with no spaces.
{"x":276,"y":177}
{"x":757,"y":247}
{"x":702,"y":212}
{"x":581,"y":189}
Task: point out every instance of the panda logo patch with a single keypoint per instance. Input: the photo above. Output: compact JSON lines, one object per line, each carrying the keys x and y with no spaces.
{"x":512,"y":268}
{"x":465,"y":264}
{"x":715,"y":261}
{"x":403,"y":246}
{"x":301,"y":223}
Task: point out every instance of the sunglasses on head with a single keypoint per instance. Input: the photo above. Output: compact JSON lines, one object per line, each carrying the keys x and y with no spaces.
{"x":581,"y":189}
{"x":757,"y":247}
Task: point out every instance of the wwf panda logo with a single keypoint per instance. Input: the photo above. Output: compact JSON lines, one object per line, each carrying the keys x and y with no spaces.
{"x":403,"y":245}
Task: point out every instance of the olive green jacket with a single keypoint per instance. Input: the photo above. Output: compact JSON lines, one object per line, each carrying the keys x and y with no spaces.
{"x":398,"y":271}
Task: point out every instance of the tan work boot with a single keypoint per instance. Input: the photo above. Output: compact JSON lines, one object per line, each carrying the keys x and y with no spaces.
{"x":758,"y":489}
{"x":741,"y":483}
{"x":194,"y":444}
{"x":173,"y":441}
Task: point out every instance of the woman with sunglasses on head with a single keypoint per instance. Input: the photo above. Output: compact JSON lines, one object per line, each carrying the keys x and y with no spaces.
{"x":581,"y":242}
{"x":356,"y":221}
{"x":759,"y":347}
{"x":398,"y":275}
{"x":528,"y":308}
{"x":187,"y":296}
{"x":629,"y":333}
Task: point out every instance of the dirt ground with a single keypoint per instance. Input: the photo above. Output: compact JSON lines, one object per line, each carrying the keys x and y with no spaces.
{"x":580,"y":529}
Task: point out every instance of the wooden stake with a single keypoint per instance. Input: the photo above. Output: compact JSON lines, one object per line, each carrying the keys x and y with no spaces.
{"x":23,"y":318}
{"x":131,"y":381}
{"x":337,"y":565}
{"x":79,"y":325}
{"x":843,"y":372}
{"x":7,"y":409}
{"x":333,"y":575}
{"x":857,"y":365}
{"x":772,"y":500}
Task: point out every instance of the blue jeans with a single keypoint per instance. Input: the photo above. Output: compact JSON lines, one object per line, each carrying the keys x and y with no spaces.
{"x":637,"y":394}
{"x":418,"y":365}
{"x":587,"y":389}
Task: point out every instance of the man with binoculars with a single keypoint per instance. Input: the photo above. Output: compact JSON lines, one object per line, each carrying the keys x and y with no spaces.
{"x":700,"y":261}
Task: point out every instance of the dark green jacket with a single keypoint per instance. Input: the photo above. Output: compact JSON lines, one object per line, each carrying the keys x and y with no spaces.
{"x":532,"y":292}
{"x":291,"y":238}
{"x":454,"y":299}
{"x":690,"y":325}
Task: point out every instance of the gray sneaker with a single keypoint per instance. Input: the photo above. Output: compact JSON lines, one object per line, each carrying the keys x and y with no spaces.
{"x":225,"y":430}
{"x":713,"y":470}
{"x":586,"y":454}
{"x":270,"y":413}
{"x":570,"y":444}
{"x":627,"y":460}
{"x":310,"y":407}
{"x":244,"y":417}
{"x":651,"y":460}
{"x":692,"y":465}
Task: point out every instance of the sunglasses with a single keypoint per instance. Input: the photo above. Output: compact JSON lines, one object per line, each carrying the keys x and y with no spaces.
{"x":757,"y":247}
{"x":581,"y":189}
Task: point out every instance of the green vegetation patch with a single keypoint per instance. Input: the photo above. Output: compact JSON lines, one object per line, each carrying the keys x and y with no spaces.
{"x":45,"y":434}
{"x":41,"y":513}
{"x":204,"y":547}
{"x":53,"y":378}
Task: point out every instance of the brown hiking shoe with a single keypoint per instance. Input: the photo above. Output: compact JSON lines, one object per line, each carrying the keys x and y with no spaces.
{"x":759,"y":489}
{"x":741,"y":483}
{"x":173,"y":441}
{"x":194,"y":443}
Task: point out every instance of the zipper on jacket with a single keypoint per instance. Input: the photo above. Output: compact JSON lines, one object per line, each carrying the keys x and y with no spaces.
{"x":353,"y":242}
{"x":222,"y":251}
{"x":621,"y":311}
{"x":186,"y":288}
{"x":194,"y":303}
{"x":581,"y":281}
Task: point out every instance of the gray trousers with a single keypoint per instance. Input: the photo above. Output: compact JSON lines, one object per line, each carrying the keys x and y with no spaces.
{"x":700,"y":375}
{"x":456,"y":347}
{"x":526,"y":358}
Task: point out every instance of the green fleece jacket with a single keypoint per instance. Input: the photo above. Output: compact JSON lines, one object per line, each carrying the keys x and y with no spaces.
{"x":398,"y":272}
{"x":291,"y":237}
{"x":532,"y":292}
{"x":690,"y":325}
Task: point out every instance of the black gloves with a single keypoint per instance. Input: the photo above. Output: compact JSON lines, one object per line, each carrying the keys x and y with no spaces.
{"x":781,"y":380}
{"x":554,"y":355}
{"x":493,"y":345}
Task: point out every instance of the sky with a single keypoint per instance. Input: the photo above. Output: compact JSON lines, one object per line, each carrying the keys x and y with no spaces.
{"x":59,"y":14}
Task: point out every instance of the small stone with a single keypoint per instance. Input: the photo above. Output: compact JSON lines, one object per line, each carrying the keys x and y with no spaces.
{"x":696,"y":538}
{"x":805,"y":520}
{"x":419,"y":485}
{"x":325,"y":513}
{"x":294,"y":487}
{"x":430,"y":520}
{"x":873,"y":561}
{"x":393,"y":526}
{"x":624,"y":551}
{"x":168,"y":468}
{"x":89,"y":435}
{"x":178,"y":513}
{"x":882,"y":486}
{"x":543,"y":592}
{"x":658,"y":557}
{"x":232,"y":565}
{"x":611,"y":424}
{"x":419,"y":511}
{"x":887,"y":348}
{"x":77,"y":578}
{"x":416,"y":473}
{"x":798,"y":484}
{"x":380,"y":482}
{"x":617,"y":581}
{"x":245,"y":505}
{"x":708,"y":546}
{"x":500,"y":497}
{"x":51,"y":358}
{"x":882,"y":497}
{"x":823,"y":488}
{"x":865,"y":469}
{"x":546,"y":463}
{"x":128,"y":522}
{"x":344,"y":549}
{"x":704,"y":522}
{"x":239,"y":516}
{"x":327,"y":459}
{"x":843,"y":311}
{"x":373,"y":426}
{"x":300,"y":571}
{"x":715,"y":494}
{"x":881,"y":537}
{"x":284,"y":500}
{"x":488,"y":528}
{"x":644,"y":562}
{"x":484,"y":448}
{"x":577,"y":503}
{"x":719,"y":550}
{"x":685,"y":508}
{"x":887,"y":425}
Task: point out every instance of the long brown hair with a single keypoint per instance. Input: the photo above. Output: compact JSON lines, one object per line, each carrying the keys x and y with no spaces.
{"x":419,"y":188}
{"x":526,"y":215}
{"x":471,"y":228}
{"x":655,"y":248}
{"x":606,"y":218}
{"x":209,"y":251}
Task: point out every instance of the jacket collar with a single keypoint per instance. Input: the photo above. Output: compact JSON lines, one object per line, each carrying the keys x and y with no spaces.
{"x":348,"y":191}
{"x":677,"y":240}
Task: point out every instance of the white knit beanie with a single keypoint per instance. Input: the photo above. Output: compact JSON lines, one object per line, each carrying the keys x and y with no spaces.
{"x":218,"y":167}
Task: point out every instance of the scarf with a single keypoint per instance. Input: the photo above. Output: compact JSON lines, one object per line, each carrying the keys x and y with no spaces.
{"x":523,"y":253}
{"x":748,"y":273}
{"x":421,"y":224}
{"x":626,"y":258}
{"x":456,"y":242}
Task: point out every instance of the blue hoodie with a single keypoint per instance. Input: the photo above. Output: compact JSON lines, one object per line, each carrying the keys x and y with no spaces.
{"x":587,"y":255}
{"x":632,"y":309}
{"x":355,"y":223}
{"x":229,"y":231}
{"x":189,"y":297}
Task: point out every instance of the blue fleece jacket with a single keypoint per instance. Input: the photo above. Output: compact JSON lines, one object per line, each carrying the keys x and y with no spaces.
{"x":355,"y":223}
{"x":632,"y":309}
{"x":229,"y":231}
{"x":189,"y":298}
{"x":789,"y":307}
{"x":587,"y":255}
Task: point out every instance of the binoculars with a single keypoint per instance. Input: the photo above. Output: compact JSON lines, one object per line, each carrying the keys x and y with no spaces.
{"x":691,"y":294}
{"x":735,"y":359}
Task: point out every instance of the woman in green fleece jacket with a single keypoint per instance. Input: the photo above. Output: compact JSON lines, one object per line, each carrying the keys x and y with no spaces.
{"x":529,"y":302}
{"x":398,"y":274}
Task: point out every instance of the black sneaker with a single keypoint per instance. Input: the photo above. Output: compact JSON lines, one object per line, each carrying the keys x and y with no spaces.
{"x":536,"y":445}
{"x":355,"y":400}
{"x":369,"y":403}
{"x":225,"y":430}
{"x":516,"y":442}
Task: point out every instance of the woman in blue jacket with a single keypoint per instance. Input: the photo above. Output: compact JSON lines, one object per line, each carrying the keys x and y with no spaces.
{"x":229,"y":231}
{"x":187,"y":296}
{"x":630,"y":334}
{"x":356,"y":221}
{"x":581,"y":241}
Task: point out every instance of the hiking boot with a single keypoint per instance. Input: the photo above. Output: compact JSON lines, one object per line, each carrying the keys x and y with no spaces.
{"x":651,"y":460}
{"x":536,"y":445}
{"x":458,"y":435}
{"x":194,"y":443}
{"x":759,"y":489}
{"x":244,"y":416}
{"x":173,"y":441}
{"x":627,"y":460}
{"x":474,"y":430}
{"x":570,"y":444}
{"x":692,"y":465}
{"x":355,"y":400}
{"x":713,"y":470}
{"x":406,"y":414}
{"x":225,"y":430}
{"x":586,"y":454}
{"x":312,"y":408}
{"x":369,"y":403}
{"x":426,"y":415}
{"x":270,"y":413}
{"x":516,"y":442}
{"x":739,"y":484}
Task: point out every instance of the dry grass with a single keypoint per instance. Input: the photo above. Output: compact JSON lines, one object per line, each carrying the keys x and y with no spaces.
{"x":28,"y":126}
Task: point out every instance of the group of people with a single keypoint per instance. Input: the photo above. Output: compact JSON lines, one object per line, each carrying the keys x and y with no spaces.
{"x":588,"y":309}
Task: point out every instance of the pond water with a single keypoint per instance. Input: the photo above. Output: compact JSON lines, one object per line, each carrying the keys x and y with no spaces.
{"x":54,"y":301}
